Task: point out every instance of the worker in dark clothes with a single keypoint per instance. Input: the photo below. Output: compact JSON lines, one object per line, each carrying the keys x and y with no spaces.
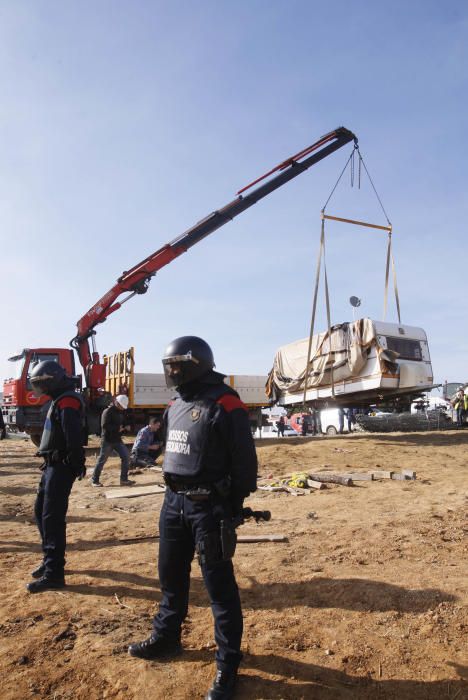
{"x":316,"y":418}
{"x":2,"y":427}
{"x":281,"y":424}
{"x":341,"y":417}
{"x":64,"y":461}
{"x":210,"y":466}
{"x":111,"y":440}
{"x":351,"y":418}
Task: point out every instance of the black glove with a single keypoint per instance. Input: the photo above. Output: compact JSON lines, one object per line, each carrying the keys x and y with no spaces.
{"x":237,"y":505}
{"x":78,"y":469}
{"x":82,"y":472}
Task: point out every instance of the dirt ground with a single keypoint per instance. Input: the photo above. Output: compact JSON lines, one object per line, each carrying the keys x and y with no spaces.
{"x":366,"y":600}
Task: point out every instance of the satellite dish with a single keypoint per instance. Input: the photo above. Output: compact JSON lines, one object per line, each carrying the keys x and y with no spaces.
{"x":354,"y":301}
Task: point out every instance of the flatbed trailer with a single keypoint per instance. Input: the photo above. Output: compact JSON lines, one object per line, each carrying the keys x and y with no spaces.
{"x":148,"y":394}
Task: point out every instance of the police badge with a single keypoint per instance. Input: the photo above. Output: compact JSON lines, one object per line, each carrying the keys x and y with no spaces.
{"x":195,"y":414}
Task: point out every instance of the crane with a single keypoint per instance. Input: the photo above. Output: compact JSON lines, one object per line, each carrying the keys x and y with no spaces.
{"x":136,"y":280}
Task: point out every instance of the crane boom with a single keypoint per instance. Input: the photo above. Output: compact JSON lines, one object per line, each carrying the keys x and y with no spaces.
{"x":136,"y":280}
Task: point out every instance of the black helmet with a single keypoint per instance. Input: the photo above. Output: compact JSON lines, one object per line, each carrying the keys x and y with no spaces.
{"x":46,"y":377}
{"x":186,"y":358}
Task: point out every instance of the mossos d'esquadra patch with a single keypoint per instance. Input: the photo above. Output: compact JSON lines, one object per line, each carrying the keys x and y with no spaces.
{"x":178,"y":441}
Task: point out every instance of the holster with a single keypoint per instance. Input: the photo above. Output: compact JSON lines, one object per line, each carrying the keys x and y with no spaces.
{"x":209,"y":549}
{"x":228,"y":539}
{"x":217,"y":546}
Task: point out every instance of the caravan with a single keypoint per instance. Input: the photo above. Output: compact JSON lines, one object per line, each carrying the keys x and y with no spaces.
{"x":357,"y":363}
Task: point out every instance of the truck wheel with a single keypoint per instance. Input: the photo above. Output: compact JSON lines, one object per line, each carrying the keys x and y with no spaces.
{"x":331,"y":430}
{"x":36,"y":439}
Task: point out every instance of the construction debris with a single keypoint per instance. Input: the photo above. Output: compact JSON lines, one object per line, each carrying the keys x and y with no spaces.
{"x":296,"y":484}
{"x":318,"y":481}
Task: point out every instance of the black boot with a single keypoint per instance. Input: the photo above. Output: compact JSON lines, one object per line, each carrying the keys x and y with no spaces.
{"x":39,"y":572}
{"x":45,"y":584}
{"x":223,"y":686}
{"x":155,"y":648}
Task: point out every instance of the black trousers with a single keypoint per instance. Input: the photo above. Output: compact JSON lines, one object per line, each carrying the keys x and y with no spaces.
{"x":182,"y":524}
{"x":50,"y":510}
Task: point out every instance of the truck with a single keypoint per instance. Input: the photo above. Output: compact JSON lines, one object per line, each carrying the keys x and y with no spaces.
{"x":22,"y":411}
{"x":148,"y":394}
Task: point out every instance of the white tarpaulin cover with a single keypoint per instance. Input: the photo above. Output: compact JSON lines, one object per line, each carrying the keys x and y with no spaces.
{"x":345,"y":350}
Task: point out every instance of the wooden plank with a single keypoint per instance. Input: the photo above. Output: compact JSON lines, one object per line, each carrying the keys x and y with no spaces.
{"x":134,"y":491}
{"x":272,"y":488}
{"x":241,"y":538}
{"x":397,"y":476}
{"x":382,"y":475}
{"x":360,"y":476}
{"x":261,"y":538}
{"x":295,"y":491}
{"x":315,"y":484}
{"x":342,"y":479}
{"x":409,"y":473}
{"x":357,"y":223}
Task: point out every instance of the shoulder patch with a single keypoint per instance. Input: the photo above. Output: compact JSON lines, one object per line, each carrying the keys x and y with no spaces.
{"x":69,"y":402}
{"x":230,"y":402}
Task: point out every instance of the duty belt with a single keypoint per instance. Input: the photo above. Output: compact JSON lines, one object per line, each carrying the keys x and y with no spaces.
{"x":198,"y":492}
{"x":54,"y":457}
{"x":195,"y":492}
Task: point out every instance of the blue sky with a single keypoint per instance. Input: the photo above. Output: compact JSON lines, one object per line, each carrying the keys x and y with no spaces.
{"x":122,"y":124}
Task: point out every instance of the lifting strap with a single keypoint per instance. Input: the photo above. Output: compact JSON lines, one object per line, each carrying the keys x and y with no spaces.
{"x":395,"y":286}
{"x":314,"y":309}
{"x":321,"y":254}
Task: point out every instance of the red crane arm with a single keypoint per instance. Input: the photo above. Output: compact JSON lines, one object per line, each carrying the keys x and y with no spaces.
{"x":136,"y":280}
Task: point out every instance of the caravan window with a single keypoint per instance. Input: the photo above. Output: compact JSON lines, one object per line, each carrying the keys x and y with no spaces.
{"x":406,"y":348}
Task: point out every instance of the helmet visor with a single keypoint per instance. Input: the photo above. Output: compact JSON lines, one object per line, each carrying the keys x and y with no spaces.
{"x":41,"y":385}
{"x":180,"y":369}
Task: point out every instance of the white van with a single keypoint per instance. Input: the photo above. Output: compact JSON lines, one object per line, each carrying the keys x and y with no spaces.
{"x":271,"y":431}
{"x":330,"y":420}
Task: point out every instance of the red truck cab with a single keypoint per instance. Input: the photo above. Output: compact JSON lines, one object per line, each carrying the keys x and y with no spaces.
{"x":22,"y":411}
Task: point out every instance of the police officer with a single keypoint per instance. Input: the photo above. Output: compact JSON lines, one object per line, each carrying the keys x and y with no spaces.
{"x":2,"y":426}
{"x":210,"y":466}
{"x":64,"y":460}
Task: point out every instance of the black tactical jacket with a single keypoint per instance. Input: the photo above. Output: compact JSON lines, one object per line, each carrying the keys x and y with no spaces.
{"x":63,"y":436}
{"x":208,"y":437}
